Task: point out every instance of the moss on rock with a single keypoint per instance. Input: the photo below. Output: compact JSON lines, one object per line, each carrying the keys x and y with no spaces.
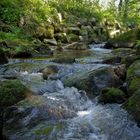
{"x":11,"y":92}
{"x":134,"y":85}
{"x":133,"y":77}
{"x":112,"y":95}
{"x":133,"y":105}
{"x":125,"y":40}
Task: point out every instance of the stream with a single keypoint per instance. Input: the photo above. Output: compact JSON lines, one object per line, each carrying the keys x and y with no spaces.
{"x":58,"y":112}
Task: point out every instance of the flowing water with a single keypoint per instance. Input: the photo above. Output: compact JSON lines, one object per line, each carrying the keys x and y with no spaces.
{"x":72,"y":115}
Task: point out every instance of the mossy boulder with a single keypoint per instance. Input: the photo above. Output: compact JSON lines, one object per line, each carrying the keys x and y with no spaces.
{"x":133,"y":105}
{"x":94,"y":81}
{"x":62,"y":37}
{"x":73,"y":30}
{"x":129,"y":59}
{"x":3,"y":58}
{"x":133,"y":85}
{"x":45,"y":32}
{"x":125,"y":40}
{"x":18,"y":48}
{"x":49,"y":70}
{"x":73,"y":37}
{"x":11,"y":92}
{"x":112,"y":95}
{"x":133,"y":77}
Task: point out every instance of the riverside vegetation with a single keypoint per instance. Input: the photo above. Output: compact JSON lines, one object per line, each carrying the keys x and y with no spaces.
{"x":69,"y":69}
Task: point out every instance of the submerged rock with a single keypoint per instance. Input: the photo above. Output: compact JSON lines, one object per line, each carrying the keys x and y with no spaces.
{"x":112,"y":95}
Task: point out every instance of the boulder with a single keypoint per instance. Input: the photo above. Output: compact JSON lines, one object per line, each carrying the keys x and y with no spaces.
{"x":44,"y":32}
{"x":33,"y":116}
{"x":73,"y":30}
{"x":61,"y":37}
{"x":133,"y":77}
{"x":49,"y":70}
{"x":94,"y":81}
{"x":120,"y":71}
{"x":50,"y":41}
{"x":73,"y":38}
{"x":77,"y":46}
{"x":11,"y":92}
{"x":42,"y":48}
{"x":112,"y":95}
{"x":3,"y":58}
{"x":128,"y":60}
{"x":125,"y":40}
{"x":133,"y":105}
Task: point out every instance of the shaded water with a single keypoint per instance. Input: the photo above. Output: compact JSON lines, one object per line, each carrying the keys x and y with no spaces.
{"x":80,"y":117}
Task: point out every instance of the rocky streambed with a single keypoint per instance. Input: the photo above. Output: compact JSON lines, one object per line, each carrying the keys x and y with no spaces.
{"x":67,"y":97}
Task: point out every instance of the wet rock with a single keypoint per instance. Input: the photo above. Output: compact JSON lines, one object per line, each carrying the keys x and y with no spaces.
{"x":112,"y":95}
{"x":26,"y":116}
{"x":133,"y":105}
{"x":128,"y":60}
{"x":77,"y":46}
{"x":120,"y":71}
{"x":121,"y":52}
{"x":49,"y":70}
{"x":11,"y":92}
{"x":65,"y":60}
{"x":112,"y":60}
{"x":3,"y":58}
{"x":42,"y":48}
{"x":125,"y":40}
{"x":94,"y":81}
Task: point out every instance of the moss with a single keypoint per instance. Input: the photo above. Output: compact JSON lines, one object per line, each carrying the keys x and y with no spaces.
{"x":133,"y":105}
{"x":11,"y":92}
{"x":134,"y":85}
{"x":49,"y":129}
{"x":45,"y":131}
{"x":73,"y":37}
{"x":112,"y":95}
{"x":134,"y":70}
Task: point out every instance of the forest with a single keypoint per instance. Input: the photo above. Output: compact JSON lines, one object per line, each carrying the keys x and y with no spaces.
{"x":69,"y":69}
